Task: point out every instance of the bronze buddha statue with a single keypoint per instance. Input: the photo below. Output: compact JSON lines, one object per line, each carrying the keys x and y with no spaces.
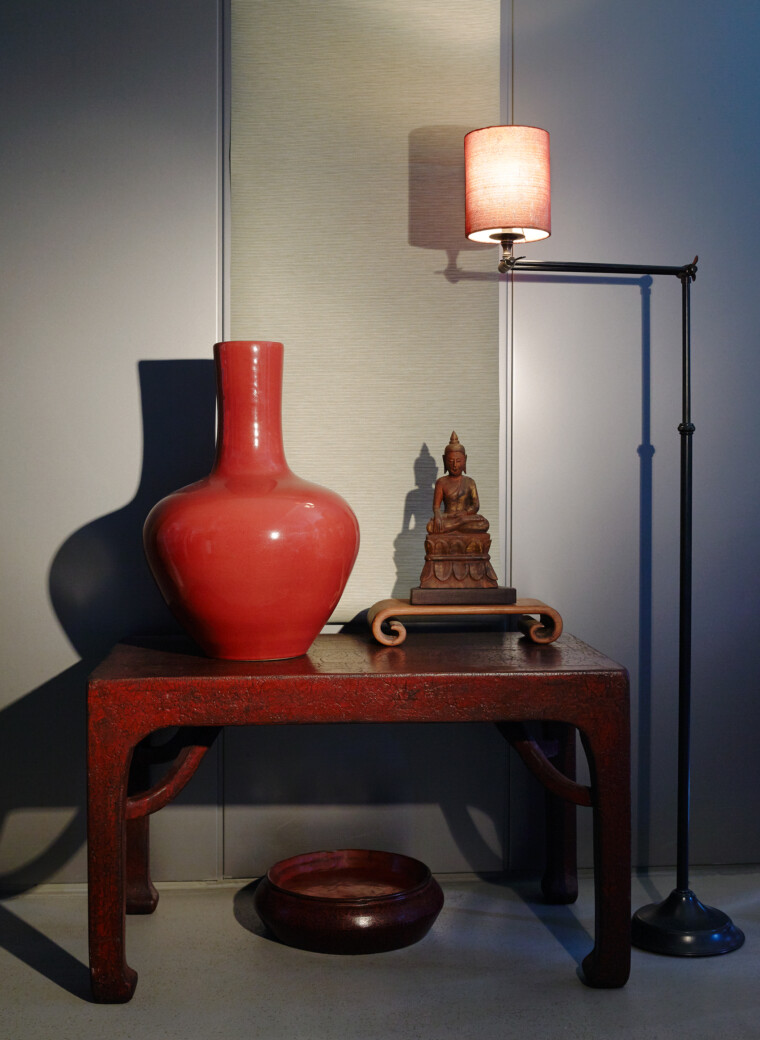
{"x":457,"y":493}
{"x":457,"y":547}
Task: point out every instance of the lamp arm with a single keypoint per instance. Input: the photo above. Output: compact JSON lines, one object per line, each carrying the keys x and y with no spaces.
{"x":687,"y":271}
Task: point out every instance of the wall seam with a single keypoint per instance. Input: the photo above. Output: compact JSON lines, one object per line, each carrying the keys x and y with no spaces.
{"x":223,"y":322}
{"x":506,"y":111}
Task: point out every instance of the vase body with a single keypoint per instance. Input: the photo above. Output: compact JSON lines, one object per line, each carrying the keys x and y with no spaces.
{"x":252,"y":560}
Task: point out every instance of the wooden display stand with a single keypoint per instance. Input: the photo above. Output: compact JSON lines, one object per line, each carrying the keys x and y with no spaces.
{"x":542,"y":629}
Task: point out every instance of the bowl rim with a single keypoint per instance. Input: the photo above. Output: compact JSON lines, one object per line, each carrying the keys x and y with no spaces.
{"x":402,"y":893}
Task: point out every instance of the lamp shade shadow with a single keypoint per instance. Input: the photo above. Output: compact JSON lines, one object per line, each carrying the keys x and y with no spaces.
{"x":436,"y":190}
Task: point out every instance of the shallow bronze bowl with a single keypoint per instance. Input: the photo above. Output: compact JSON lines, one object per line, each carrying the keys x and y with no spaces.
{"x":349,"y":901}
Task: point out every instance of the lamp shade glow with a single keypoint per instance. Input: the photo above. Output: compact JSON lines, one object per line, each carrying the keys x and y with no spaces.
{"x":507,"y":184}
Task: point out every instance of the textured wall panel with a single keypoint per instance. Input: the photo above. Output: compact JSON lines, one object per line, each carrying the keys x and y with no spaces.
{"x":347,"y":207}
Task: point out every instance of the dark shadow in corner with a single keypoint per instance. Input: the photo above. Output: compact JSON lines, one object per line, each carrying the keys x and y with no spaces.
{"x":409,"y":543}
{"x":372,"y":765}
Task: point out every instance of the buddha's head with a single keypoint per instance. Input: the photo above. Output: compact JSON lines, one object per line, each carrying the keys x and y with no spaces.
{"x":454,"y":457}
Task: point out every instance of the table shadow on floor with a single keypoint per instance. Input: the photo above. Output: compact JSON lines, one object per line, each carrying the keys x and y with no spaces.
{"x":43,"y":955}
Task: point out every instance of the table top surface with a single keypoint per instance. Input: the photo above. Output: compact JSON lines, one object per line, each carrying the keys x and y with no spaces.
{"x":424,"y":653}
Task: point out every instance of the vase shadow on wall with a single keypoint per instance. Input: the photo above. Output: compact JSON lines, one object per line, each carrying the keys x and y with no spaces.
{"x":100,"y":584}
{"x":102,"y":592}
{"x":409,"y":543}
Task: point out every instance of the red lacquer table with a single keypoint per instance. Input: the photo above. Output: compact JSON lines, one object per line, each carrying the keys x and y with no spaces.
{"x":473,"y":677}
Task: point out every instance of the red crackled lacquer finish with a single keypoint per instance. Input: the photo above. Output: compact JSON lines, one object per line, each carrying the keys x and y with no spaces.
{"x":252,"y":559}
{"x":469,"y":677}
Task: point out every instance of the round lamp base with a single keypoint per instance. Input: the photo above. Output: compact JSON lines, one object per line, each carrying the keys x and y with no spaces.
{"x":681,"y":926}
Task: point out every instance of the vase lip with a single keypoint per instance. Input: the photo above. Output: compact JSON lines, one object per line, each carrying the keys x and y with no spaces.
{"x":247,"y":343}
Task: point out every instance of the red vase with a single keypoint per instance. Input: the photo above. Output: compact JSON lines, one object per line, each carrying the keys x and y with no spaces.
{"x":252,"y":560}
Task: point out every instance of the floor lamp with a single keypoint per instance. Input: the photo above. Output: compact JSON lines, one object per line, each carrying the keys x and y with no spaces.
{"x":508,"y":201}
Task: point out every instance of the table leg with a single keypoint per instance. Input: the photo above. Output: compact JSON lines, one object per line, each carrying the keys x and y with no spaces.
{"x":113,"y":981}
{"x":142,"y":897}
{"x":607,"y":748}
{"x":560,"y":881}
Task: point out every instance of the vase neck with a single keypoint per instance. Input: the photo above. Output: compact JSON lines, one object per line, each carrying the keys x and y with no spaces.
{"x":249,"y":392}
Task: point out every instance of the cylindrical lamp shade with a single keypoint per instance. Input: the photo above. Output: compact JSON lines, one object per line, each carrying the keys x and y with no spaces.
{"x":507,"y":183}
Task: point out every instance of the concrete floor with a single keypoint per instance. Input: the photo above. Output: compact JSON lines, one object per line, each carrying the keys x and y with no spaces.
{"x":497,"y":964}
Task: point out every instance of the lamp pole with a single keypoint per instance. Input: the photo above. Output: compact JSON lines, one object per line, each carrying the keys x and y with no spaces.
{"x":679,"y":926}
{"x":686,"y":431}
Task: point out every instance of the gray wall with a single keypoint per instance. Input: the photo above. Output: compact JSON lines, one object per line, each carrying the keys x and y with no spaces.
{"x":652,"y":109}
{"x":346,"y":198}
{"x":110,"y":196}
{"x":111,"y":217}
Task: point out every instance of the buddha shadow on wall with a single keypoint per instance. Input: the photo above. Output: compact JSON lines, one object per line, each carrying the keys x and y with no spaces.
{"x":100,"y":585}
{"x":409,"y":544}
